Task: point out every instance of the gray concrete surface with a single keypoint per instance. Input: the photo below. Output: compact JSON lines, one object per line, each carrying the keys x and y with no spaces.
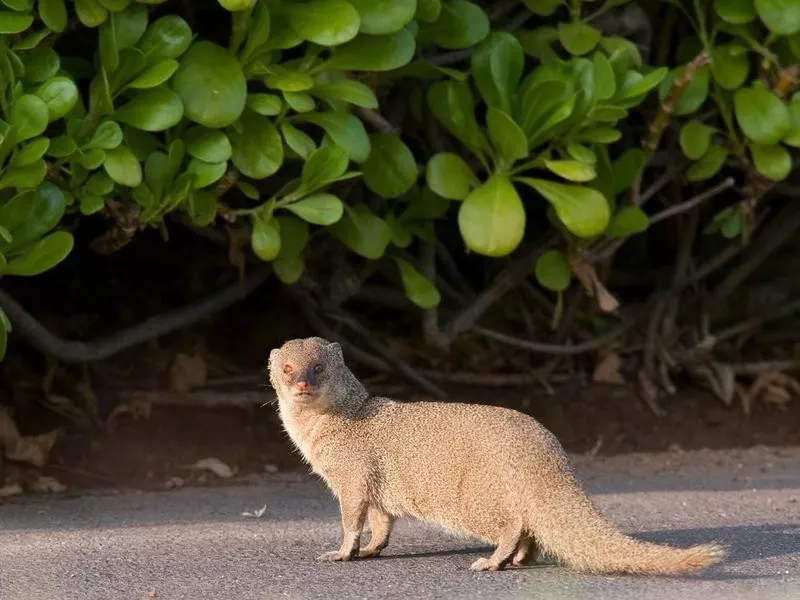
{"x":194,"y":543}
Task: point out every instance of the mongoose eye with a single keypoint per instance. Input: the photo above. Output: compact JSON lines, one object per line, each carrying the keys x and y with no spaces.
{"x":318,"y":369}
{"x":287,"y":369}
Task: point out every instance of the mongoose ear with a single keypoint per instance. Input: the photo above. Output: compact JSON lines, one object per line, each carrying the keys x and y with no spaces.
{"x":273,"y":356}
{"x":335,"y":349}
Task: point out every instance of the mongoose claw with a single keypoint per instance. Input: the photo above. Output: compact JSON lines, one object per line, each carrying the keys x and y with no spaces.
{"x":484,"y":564}
{"x":334,"y":556}
{"x":368,"y":553}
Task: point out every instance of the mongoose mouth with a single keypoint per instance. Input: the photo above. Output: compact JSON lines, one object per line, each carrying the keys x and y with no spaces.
{"x":304,"y":396}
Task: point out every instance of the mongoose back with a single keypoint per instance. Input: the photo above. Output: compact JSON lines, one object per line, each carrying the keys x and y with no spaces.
{"x":488,"y":472}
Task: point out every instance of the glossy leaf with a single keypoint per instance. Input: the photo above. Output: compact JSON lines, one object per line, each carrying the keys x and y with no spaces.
{"x":54,"y":14}
{"x":582,"y":210}
{"x":506,"y":136}
{"x":374,"y":52}
{"x":41,"y":256}
{"x":578,"y":38}
{"x":709,"y":165}
{"x":461,"y":24}
{"x":379,"y":17}
{"x":782,"y":17}
{"x":60,"y":95}
{"x":209,"y":145}
{"x":257,"y":146}
{"x":497,"y":65}
{"x":123,"y":166}
{"x":319,"y":209}
{"x":29,"y":116}
{"x":265,"y":238}
{"x":346,"y":131}
{"x":773,"y":162}
{"x":763,"y":117}
{"x":300,"y":142}
{"x":695,"y":139}
{"x":155,"y":109}
{"x":363,"y":232}
{"x":627,"y":221}
{"x":418,"y":288}
{"x":571,"y":170}
{"x":391,"y":169}
{"x":324,"y":166}
{"x":552,"y":271}
{"x":449,"y":176}
{"x":324,"y":22}
{"x":492,"y":218}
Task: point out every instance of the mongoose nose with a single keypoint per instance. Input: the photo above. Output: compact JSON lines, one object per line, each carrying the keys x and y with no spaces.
{"x":302,"y":385}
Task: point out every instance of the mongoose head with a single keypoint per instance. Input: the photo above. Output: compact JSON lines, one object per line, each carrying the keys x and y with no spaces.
{"x":311,"y":373}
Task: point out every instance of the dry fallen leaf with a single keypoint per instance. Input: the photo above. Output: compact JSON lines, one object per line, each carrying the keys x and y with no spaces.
{"x":187,"y":372}
{"x":10,"y":489}
{"x":33,"y":449}
{"x":44,"y":484}
{"x":607,"y":368}
{"x":173,"y":483}
{"x":216,"y":466}
{"x":587,"y":275}
{"x":137,"y":409}
{"x":256,"y":514}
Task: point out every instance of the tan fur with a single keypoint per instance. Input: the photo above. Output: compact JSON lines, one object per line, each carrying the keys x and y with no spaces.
{"x":488,"y":472}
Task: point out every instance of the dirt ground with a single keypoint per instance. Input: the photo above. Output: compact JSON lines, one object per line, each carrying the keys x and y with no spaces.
{"x":156,"y":451}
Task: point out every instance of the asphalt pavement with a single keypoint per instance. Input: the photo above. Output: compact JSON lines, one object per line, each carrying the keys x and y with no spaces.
{"x":195,"y":543}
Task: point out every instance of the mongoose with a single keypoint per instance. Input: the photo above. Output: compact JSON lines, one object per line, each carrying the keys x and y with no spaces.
{"x":489,"y":472}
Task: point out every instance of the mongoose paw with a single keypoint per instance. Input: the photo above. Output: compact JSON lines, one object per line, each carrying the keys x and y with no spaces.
{"x":484,"y":564}
{"x":369,"y":553}
{"x":334,"y":556}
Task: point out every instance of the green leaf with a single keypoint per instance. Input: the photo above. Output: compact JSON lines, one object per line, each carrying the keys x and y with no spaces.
{"x":25,"y":177}
{"x":605,"y":82}
{"x":374,"y":52}
{"x":90,"y":204}
{"x":319,"y":209}
{"x":454,"y":107}
{"x":29,"y":116}
{"x":54,"y":14}
{"x":60,"y":94}
{"x":206,"y":173}
{"x":92,"y":158}
{"x":268,"y":105}
{"x":288,"y":80}
{"x":123,"y":166}
{"x":578,"y":38}
{"x":324,"y":166}
{"x":599,"y":135}
{"x":428,"y":11}
{"x":497,"y":65}
{"x":583,"y":211}
{"x":324,"y":22}
{"x":294,"y":236}
{"x":736,"y":12}
{"x":5,"y":329}
{"x":782,"y":17}
{"x":31,"y":152}
{"x":461,"y":24}
{"x":90,"y":12}
{"x":492,"y":218}
{"x":107,"y":136}
{"x":418,"y":288}
{"x":730,"y":66}
{"x":792,"y":138}
{"x":211,"y":84}
{"x":581,"y":153}
{"x":300,"y":142}
{"x":571,"y":170}
{"x":156,"y":75}
{"x":130,"y":25}
{"x":629,"y":220}
{"x":13,"y":23}
{"x":379,"y":17}
{"x":257,"y":146}
{"x":708,"y":166}
{"x":773,"y":162}
{"x":363,"y":232}
{"x":347,"y":90}
{"x":507,"y":138}
{"x":202,"y":208}
{"x":763,"y":117}
{"x":41,"y":64}
{"x":236,"y":5}
{"x":289,"y":269}
{"x":62,"y":146}
{"x":167,"y":37}
{"x":639,"y":86}
{"x":156,"y":109}
{"x":209,"y":145}
{"x":346,"y":131}
{"x":552,"y":271}
{"x":695,"y":139}
{"x":449,"y":176}
{"x":391,"y":170}
{"x":626,"y":168}
{"x":265,"y":238}
{"x":32,"y":213}
{"x":99,"y":184}
{"x":41,"y":256}
{"x":299,"y":101}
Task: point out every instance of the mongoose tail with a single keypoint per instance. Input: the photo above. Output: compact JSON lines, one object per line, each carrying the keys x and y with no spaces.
{"x":567,"y":526}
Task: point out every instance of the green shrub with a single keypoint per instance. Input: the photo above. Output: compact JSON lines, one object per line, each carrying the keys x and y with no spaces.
{"x":120,"y":100}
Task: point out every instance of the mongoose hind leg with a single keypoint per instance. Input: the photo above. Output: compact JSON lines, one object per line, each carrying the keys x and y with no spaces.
{"x":381,"y":525}
{"x":353,"y":506}
{"x":509,"y":541}
{"x":527,"y":552}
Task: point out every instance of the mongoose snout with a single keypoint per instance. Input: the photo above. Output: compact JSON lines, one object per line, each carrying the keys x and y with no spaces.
{"x":503,"y":477}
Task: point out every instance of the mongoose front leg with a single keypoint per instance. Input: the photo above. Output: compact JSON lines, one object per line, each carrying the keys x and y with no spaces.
{"x":509,"y":541}
{"x":353,"y":506}
{"x":381,"y":525}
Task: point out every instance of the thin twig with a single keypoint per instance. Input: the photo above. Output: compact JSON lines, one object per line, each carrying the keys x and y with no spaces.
{"x":756,"y":322}
{"x":696,"y":201}
{"x":377,"y":120}
{"x":70,"y":351}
